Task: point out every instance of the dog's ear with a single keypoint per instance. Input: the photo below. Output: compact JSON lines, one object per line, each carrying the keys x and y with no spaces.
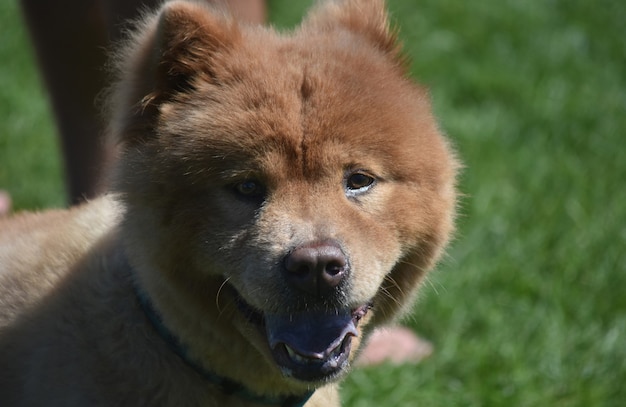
{"x":171,"y":50}
{"x":187,"y":38}
{"x":366,"y":18}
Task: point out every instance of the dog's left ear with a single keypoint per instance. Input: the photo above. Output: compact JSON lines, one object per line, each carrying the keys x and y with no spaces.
{"x":366,"y":18}
{"x":187,"y":39}
{"x":170,"y":51}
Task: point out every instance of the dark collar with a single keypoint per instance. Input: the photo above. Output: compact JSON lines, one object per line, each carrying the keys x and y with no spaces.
{"x":227,"y":386}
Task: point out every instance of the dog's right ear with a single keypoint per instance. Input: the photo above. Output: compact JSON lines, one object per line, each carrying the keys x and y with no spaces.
{"x":171,"y":51}
{"x":366,"y":18}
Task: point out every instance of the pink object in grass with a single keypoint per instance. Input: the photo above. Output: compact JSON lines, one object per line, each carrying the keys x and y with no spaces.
{"x":396,"y":345}
{"x":5,"y":203}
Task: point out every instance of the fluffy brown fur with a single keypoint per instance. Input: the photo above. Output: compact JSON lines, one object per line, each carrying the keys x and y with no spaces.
{"x":262,"y":179}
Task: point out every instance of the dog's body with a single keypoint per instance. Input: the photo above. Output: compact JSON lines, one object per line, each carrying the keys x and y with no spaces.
{"x":276,"y":198}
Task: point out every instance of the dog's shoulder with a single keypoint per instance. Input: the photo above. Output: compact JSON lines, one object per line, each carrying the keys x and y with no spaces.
{"x":39,"y":248}
{"x":90,"y":217}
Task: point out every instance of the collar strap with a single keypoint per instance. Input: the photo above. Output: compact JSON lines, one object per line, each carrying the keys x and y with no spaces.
{"x":227,"y":386}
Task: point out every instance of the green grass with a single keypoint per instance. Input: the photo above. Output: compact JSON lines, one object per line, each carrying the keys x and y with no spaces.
{"x":528,"y":308}
{"x":30,"y":167}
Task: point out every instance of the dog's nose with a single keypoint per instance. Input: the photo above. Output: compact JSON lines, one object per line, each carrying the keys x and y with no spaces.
{"x":316,"y":268}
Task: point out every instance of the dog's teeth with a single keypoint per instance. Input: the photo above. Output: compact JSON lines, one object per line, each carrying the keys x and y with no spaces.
{"x":296,"y":357}
{"x":292,"y":354}
{"x":332,"y":358}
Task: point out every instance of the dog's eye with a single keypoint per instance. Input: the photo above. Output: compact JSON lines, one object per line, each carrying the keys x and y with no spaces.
{"x":250,"y":189}
{"x":359,"y":182}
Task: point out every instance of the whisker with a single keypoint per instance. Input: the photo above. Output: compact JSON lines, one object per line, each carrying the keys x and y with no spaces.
{"x":217,"y":296}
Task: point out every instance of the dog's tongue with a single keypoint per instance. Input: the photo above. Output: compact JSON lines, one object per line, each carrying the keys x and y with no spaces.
{"x":314,"y":335}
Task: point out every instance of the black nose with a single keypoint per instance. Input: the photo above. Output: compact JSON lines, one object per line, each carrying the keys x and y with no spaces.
{"x":316,"y":268}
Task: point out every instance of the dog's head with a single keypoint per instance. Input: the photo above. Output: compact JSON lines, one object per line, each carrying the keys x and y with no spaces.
{"x":304,"y":171}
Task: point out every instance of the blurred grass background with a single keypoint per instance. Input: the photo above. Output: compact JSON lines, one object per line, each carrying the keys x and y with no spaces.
{"x":529,"y":307}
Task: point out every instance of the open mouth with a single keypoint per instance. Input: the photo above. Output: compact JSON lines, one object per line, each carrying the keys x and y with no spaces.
{"x":308,"y":346}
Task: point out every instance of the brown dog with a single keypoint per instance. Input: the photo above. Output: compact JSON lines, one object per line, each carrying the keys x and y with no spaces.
{"x":276,"y":197}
